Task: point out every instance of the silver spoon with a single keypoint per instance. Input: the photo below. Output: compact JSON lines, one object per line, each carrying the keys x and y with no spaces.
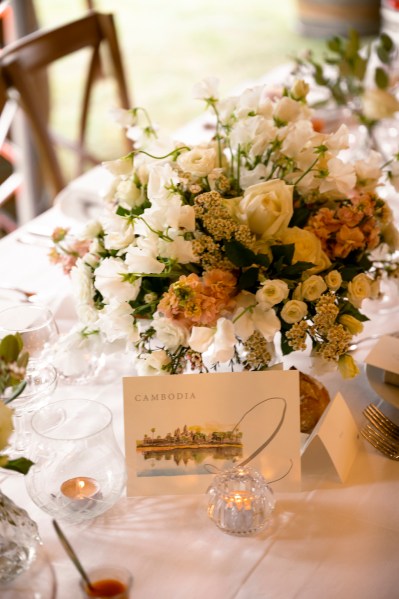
{"x":72,"y":555}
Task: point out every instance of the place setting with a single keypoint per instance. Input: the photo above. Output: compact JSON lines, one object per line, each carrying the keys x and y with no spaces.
{"x":206,"y":372}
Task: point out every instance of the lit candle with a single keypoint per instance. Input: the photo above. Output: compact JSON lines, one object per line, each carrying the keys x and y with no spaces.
{"x":239,"y":511}
{"x":81,"y":489}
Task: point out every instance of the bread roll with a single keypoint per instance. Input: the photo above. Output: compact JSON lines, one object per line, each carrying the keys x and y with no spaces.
{"x":314,"y":399}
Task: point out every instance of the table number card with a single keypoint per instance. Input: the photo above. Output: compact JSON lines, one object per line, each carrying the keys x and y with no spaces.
{"x":335,"y":439}
{"x":180,"y":429}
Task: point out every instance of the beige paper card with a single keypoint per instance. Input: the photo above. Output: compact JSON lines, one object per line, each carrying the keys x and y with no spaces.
{"x":179,"y":429}
{"x":335,"y":439}
{"x":385,"y":354}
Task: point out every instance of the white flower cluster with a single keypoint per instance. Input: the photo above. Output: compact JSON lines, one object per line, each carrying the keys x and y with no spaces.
{"x":202,"y":248}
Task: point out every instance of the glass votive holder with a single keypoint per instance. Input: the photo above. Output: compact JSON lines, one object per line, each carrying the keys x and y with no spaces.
{"x":108,"y":581}
{"x":240,"y":502}
{"x":79,"y":471}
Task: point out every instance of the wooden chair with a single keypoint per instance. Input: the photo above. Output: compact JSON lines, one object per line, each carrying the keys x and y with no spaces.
{"x":22,"y":63}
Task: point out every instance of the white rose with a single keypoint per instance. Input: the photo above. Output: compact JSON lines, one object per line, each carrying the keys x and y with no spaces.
{"x":294,"y":311}
{"x":267,"y":208}
{"x":313,"y":287}
{"x":152,"y":364}
{"x":199,"y":162}
{"x":116,"y":322}
{"x":359,"y":289}
{"x":109,"y":280}
{"x":128,"y":194}
{"x":83,"y":291}
{"x":273,"y":291}
{"x":333,"y":280}
{"x":170,"y":333}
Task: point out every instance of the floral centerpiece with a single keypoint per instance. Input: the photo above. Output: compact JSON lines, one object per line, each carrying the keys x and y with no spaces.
{"x":222,"y":253}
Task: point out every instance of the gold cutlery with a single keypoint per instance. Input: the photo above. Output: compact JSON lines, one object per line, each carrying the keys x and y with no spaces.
{"x":381,"y":422}
{"x":381,"y":442}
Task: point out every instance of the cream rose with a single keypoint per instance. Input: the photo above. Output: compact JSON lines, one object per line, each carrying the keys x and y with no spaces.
{"x":267,"y":208}
{"x":293,"y":311}
{"x":333,"y":280}
{"x":359,"y":289}
{"x":307,"y":248}
{"x":272,"y":292}
{"x":199,"y":162}
{"x":313,"y":287}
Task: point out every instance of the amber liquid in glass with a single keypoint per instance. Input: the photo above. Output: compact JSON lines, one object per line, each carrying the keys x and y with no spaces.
{"x":107,"y":588}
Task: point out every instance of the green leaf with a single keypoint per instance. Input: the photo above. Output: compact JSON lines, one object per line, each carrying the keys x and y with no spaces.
{"x":348,"y":308}
{"x":386,"y":42}
{"x":21,"y":465}
{"x":285,"y":348}
{"x":293,"y":271}
{"x":262,"y":260}
{"x":383,"y":55}
{"x":353,"y":45}
{"x":381,"y":78}
{"x":284,"y":252}
{"x":335,"y":44}
{"x":300,"y":217}
{"x":360,"y":67}
{"x":120,"y":211}
{"x":238,"y":254}
{"x":248,"y":278}
{"x":10,"y":348}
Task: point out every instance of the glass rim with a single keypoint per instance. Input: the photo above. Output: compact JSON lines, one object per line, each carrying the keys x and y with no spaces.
{"x":35,"y":365}
{"x":58,"y":403}
{"x":49,"y":317}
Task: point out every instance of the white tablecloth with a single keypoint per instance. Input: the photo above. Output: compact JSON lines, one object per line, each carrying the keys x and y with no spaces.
{"x":329,"y":540}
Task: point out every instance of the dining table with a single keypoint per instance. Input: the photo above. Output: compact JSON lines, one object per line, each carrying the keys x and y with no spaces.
{"x":330,"y":538}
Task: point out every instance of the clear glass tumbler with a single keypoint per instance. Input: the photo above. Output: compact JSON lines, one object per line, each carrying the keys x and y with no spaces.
{"x":79,"y":471}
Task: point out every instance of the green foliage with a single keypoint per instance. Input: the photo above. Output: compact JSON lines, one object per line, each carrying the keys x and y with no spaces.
{"x":21,"y":465}
{"x":347,"y":65}
{"x":13,"y":362}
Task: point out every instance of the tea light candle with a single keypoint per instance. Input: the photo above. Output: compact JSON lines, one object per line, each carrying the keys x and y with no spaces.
{"x":81,"y":489}
{"x":239,"y":511}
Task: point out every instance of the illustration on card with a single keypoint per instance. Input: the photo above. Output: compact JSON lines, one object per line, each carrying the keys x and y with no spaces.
{"x":187,"y":450}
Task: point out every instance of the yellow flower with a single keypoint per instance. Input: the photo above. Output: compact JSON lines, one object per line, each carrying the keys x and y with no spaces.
{"x":347,"y":367}
{"x":351,"y":323}
{"x":6,"y":426}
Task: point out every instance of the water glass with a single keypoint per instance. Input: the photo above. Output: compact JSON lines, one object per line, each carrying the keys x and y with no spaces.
{"x":79,"y":471}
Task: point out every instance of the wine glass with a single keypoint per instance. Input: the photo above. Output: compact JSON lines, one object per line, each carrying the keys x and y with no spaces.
{"x":35,"y":324}
{"x":38,"y":582}
{"x":38,"y":329}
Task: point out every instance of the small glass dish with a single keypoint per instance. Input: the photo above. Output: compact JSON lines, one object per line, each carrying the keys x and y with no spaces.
{"x":240,"y":501}
{"x":109,"y":581}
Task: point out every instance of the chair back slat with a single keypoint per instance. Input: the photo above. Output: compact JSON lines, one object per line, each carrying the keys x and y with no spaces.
{"x":22,"y":63}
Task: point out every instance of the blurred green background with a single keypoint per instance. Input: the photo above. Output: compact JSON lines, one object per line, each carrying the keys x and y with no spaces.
{"x":167,"y":47}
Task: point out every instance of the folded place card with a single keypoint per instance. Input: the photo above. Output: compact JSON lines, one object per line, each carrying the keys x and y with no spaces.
{"x":181,"y":429}
{"x":334,"y":440}
{"x":385,"y":355}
